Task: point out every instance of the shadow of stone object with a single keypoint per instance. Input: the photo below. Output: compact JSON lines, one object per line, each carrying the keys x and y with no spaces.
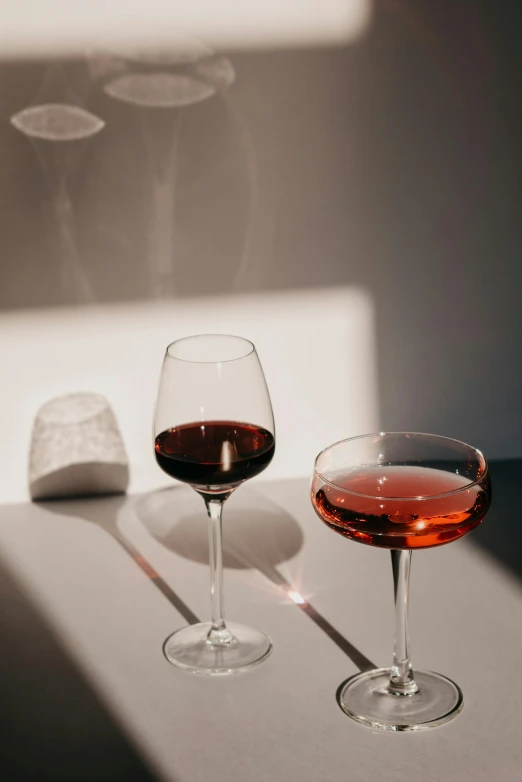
{"x":76,"y":449}
{"x":104,"y":512}
{"x":256,"y":532}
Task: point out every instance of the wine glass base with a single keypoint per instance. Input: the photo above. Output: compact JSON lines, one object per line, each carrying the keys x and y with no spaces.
{"x":366,"y":698}
{"x":190,"y":649}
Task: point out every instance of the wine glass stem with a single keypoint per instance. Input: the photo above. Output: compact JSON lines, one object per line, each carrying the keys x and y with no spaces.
{"x":402,"y":681}
{"x":219,"y":634}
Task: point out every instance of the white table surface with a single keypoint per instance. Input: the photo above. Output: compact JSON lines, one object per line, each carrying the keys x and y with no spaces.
{"x":281,"y":720}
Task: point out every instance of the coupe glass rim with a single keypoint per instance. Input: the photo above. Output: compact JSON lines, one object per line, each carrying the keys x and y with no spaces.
{"x":249,"y":349}
{"x":403,"y":499}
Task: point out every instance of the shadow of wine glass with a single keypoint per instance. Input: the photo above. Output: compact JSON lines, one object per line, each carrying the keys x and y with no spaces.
{"x":257,"y":534}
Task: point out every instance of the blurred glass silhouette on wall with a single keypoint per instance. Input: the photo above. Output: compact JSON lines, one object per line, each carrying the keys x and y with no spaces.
{"x":160,"y":87}
{"x":58,"y":133}
{"x":393,"y":164}
{"x":169,"y":195}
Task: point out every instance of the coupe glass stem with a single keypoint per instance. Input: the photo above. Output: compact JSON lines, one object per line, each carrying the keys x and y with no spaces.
{"x":402,"y":681}
{"x":219,"y":633}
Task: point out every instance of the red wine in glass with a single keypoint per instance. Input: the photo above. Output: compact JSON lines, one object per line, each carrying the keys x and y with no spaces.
{"x":214,"y":429}
{"x":214,"y":453}
{"x":401,"y":507}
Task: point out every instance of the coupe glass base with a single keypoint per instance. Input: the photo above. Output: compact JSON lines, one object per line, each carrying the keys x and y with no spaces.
{"x":190,"y":649}
{"x":366,"y":698}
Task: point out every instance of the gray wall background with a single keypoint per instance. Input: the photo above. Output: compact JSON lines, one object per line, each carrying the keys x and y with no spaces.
{"x":394,"y":164}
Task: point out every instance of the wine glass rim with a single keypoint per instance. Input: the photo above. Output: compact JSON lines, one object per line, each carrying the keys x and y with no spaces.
{"x":250,"y":345}
{"x":402,"y":499}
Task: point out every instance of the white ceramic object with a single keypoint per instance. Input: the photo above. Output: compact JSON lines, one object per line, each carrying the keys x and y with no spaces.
{"x":76,"y":449}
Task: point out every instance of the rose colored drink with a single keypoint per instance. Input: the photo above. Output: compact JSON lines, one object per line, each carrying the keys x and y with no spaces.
{"x":401,"y":491}
{"x":401,"y":507}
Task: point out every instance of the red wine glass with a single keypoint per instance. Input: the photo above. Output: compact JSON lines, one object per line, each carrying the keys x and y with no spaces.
{"x":214,"y":429}
{"x":401,"y":491}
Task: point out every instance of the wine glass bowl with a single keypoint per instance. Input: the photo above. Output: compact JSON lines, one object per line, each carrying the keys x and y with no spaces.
{"x":401,"y":491}
{"x":214,"y":429}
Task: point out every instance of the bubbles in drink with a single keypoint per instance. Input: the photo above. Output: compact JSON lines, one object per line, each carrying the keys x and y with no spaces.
{"x":57,"y":122}
{"x":158,"y":90}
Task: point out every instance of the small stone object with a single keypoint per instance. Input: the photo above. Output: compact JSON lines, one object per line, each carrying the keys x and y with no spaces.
{"x":76,"y":449}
